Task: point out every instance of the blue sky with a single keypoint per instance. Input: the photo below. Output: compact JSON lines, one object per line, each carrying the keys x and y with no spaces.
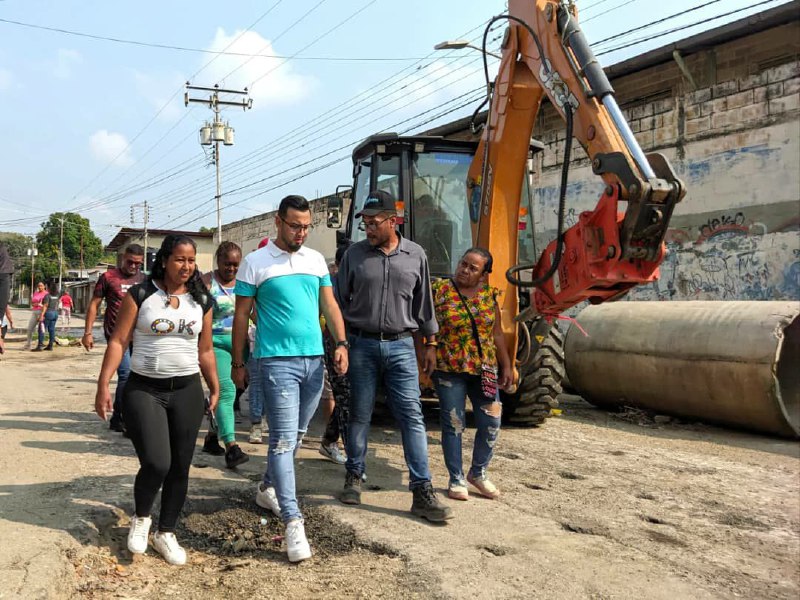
{"x":96,"y":126}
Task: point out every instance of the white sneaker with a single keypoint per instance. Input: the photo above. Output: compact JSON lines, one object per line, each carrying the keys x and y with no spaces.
{"x":266,"y":498}
{"x":166,"y":544}
{"x":333,"y":453}
{"x":296,"y":543}
{"x":256,"y":436}
{"x":137,"y":534}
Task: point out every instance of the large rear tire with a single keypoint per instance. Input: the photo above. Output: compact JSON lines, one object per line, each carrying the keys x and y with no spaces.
{"x":541,"y":378}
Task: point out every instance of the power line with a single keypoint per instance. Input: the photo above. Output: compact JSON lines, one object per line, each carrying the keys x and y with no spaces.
{"x":171,"y":98}
{"x":682,"y":27}
{"x":279,"y":36}
{"x":326,"y":165}
{"x":609,"y":10}
{"x":353,"y":101}
{"x":203,"y":50}
{"x":317,"y":39}
{"x":651,"y":23}
{"x":272,"y":149}
{"x":592,"y":5}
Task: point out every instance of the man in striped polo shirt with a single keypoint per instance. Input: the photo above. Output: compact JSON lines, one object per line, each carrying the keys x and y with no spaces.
{"x":288,"y":284}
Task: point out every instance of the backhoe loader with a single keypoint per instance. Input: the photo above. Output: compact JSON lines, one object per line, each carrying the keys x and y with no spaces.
{"x":456,"y":194}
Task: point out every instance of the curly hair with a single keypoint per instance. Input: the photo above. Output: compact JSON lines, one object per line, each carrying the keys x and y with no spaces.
{"x":195,"y":286}
{"x":226,"y":247}
{"x":484,"y":254}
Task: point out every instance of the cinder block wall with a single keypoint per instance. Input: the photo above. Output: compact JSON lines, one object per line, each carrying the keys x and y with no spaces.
{"x":735,"y":141}
{"x":249,"y":232}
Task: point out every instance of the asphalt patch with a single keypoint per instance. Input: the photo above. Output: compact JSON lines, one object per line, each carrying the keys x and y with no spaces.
{"x":235,"y":526}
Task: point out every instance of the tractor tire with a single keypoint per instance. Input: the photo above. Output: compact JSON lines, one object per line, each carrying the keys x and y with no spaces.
{"x":541,"y":376}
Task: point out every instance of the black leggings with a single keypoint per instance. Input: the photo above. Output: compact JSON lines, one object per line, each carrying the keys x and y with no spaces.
{"x":163,"y":417}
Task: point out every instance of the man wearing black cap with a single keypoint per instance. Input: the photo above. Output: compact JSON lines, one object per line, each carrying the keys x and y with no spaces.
{"x":384,"y":291}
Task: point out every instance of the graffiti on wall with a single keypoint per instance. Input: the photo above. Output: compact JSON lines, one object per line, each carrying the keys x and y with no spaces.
{"x":737,"y":265}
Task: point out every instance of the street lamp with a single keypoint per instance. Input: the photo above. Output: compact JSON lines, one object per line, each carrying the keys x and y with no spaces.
{"x":460,"y":44}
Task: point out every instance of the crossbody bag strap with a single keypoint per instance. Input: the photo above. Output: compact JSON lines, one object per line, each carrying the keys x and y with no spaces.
{"x":471,"y":319}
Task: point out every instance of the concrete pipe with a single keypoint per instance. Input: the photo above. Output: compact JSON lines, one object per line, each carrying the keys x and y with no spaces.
{"x":731,"y":363}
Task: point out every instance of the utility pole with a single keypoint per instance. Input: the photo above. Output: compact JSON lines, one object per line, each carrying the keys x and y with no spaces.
{"x":61,"y":255}
{"x":217,"y":131}
{"x":32,"y":252}
{"x":145,"y":220}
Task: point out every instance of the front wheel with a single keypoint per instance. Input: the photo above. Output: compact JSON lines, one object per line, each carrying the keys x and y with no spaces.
{"x":541,"y":376}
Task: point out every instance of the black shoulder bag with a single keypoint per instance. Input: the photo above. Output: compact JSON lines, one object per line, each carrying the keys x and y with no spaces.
{"x":488,"y":371}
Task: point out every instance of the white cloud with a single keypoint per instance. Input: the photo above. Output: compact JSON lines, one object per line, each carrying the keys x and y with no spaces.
{"x":281,"y":86}
{"x":107,"y":146}
{"x":65,"y":61}
{"x":157,"y":90}
{"x":6,"y":79}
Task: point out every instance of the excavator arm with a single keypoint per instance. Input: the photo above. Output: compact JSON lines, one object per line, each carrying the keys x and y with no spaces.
{"x":606,"y":252}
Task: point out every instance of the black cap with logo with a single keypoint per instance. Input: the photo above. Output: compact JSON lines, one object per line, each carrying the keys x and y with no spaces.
{"x":378,"y":201}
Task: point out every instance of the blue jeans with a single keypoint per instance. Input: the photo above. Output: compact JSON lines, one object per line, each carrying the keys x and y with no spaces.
{"x":291,"y":388}
{"x":453,"y":389}
{"x":254,"y":397}
{"x":395,"y":363}
{"x":50,"y":320}
{"x":123,"y":372}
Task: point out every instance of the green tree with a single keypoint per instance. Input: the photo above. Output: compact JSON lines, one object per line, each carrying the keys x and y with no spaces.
{"x":82,"y":248}
{"x":18,"y":246}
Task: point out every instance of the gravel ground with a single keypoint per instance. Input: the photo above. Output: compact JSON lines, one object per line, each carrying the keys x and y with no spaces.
{"x":593,"y":505}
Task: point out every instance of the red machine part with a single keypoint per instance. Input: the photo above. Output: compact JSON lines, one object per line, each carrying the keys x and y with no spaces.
{"x":590,"y":267}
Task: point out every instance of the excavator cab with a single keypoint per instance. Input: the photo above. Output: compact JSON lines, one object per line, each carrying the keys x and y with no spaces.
{"x":428,"y":176}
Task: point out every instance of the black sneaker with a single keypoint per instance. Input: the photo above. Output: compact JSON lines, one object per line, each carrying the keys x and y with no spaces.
{"x":116,"y":425}
{"x":212,"y":446}
{"x":427,"y":505}
{"x":235,"y":457}
{"x":48,"y":348}
{"x":351,"y":494}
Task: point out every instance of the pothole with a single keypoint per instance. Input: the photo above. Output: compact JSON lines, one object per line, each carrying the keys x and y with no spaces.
{"x":497,"y":550}
{"x":235,"y":526}
{"x":655,"y":520}
{"x":663,"y":538}
{"x":534,"y":486}
{"x":581,"y":528}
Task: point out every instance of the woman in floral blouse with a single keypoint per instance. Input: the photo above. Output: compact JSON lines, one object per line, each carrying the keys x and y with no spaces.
{"x":459,"y":365}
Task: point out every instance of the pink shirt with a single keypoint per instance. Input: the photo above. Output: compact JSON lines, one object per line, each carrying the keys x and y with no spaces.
{"x":66,"y":301}
{"x":37,"y":298}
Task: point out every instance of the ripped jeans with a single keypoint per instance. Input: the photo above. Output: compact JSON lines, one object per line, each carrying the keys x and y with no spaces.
{"x":291,"y":388}
{"x":453,"y":389}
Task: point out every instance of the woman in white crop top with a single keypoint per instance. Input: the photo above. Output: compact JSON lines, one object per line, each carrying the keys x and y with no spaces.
{"x":168,"y":320}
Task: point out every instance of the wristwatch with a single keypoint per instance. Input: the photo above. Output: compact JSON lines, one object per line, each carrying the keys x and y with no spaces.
{"x":236,"y":365}
{"x":343,"y":344}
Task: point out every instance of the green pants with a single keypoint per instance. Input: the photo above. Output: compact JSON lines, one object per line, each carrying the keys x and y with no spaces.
{"x":227,"y":390}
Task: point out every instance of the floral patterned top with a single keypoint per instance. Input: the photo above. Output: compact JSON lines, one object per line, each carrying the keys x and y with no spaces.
{"x":457,"y":351}
{"x":224,"y":308}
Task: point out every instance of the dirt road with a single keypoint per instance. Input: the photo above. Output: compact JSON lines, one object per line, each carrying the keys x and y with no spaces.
{"x":593,"y":506}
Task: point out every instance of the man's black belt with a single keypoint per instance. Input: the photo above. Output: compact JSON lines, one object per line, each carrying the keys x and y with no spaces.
{"x":380,"y":335}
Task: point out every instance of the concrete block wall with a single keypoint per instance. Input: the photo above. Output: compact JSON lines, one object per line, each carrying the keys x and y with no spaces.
{"x":735,"y":141}
{"x":249,"y":232}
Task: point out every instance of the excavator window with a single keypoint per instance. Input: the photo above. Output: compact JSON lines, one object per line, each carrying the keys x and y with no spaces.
{"x":439,"y":215}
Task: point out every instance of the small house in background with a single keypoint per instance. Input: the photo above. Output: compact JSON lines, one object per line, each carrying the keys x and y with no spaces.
{"x":79,"y":283}
{"x":128,"y":235}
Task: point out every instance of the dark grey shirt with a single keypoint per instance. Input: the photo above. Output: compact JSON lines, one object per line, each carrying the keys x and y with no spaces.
{"x":383,"y":293}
